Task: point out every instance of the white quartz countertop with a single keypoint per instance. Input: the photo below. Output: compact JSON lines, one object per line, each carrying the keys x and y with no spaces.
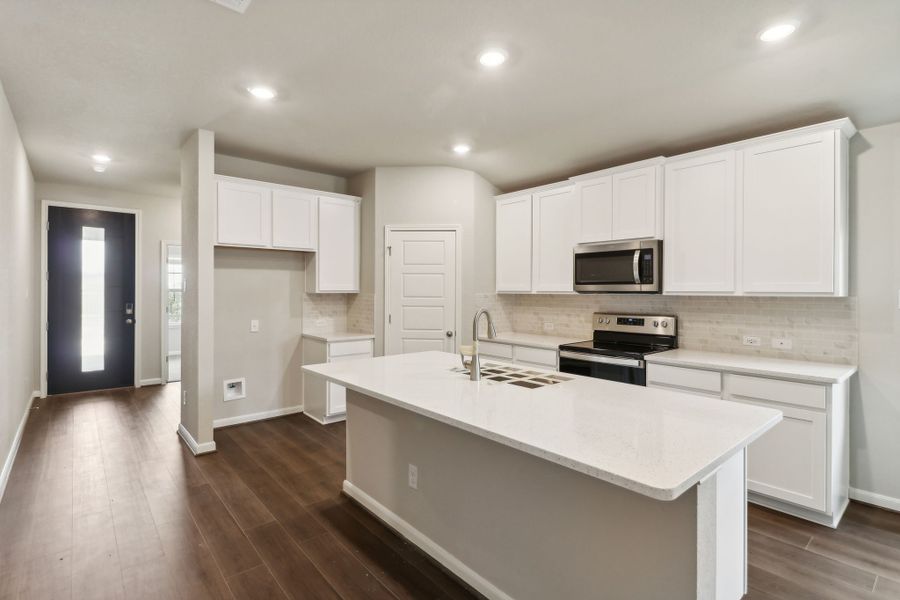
{"x":339,"y":336}
{"x":798,"y":370}
{"x":652,"y":441}
{"x":549,"y":342}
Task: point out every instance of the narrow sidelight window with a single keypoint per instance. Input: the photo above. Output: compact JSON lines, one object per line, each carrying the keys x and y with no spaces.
{"x":93,"y":272}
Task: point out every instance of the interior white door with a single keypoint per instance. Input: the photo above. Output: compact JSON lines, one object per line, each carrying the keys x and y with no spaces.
{"x":421,"y":291}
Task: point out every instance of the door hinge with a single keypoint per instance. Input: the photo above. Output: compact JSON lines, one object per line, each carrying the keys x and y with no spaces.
{"x":390,"y":253}
{"x":48,"y":224}
{"x":389,"y":319}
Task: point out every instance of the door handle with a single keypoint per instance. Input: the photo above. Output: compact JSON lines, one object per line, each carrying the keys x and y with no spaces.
{"x":449,"y":334}
{"x":129,"y":321}
{"x":129,"y":308}
{"x":636,"y":266}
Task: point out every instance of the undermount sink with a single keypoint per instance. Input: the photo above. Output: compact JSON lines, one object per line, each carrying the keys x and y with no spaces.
{"x":520,"y":376}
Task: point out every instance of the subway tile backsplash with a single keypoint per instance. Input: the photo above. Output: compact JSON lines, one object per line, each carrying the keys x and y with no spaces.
{"x":325,"y":313}
{"x":820,"y":329}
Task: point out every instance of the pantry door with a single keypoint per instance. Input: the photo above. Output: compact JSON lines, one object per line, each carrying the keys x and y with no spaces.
{"x":422,"y":287}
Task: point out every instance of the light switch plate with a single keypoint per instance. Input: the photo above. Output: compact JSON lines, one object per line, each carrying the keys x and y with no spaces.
{"x":752,"y":340}
{"x":413,"y":476}
{"x":254,"y":325}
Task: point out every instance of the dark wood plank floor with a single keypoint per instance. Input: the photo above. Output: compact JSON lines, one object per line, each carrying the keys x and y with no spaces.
{"x":105,"y":502}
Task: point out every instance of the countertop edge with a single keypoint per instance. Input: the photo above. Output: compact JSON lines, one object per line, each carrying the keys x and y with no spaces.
{"x":340,"y":336}
{"x":665,"y":494}
{"x":661,"y":359}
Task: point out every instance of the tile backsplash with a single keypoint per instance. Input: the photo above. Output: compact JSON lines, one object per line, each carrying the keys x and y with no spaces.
{"x":325,"y":313}
{"x":820,"y":329}
{"x":361,"y":313}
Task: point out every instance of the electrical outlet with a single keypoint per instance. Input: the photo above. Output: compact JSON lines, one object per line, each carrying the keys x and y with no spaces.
{"x":752,"y":340}
{"x":254,"y":326}
{"x":413,"y":476}
{"x":782,"y":343}
{"x":548,"y":326}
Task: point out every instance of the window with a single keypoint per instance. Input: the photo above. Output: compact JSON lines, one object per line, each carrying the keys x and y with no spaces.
{"x":93,"y":301}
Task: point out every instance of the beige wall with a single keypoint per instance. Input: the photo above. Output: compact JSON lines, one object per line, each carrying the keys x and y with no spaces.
{"x":266,"y":285}
{"x":262,"y":171}
{"x":875,"y":281}
{"x":160,"y":220}
{"x":18,"y":295}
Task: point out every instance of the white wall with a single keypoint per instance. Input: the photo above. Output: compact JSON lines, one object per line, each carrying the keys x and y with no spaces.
{"x":160,"y":220}
{"x":18,"y":295}
{"x":875,"y":280}
{"x":262,"y":171}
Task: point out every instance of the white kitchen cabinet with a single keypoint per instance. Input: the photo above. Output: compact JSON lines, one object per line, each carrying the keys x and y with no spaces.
{"x":294,"y":220}
{"x":514,"y":247}
{"x":623,"y":203}
{"x":326,"y":402}
{"x":243,"y":214}
{"x":517,"y":354}
{"x":700,"y":224}
{"x":555,"y":234}
{"x":334,"y":268}
{"x":790,"y":206}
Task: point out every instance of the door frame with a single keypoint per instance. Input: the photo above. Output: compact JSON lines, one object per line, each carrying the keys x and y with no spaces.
{"x":457,"y":230}
{"x":163,"y":306}
{"x":45,"y":206}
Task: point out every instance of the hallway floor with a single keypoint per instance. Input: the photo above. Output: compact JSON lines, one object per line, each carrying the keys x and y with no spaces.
{"x":105,"y":502}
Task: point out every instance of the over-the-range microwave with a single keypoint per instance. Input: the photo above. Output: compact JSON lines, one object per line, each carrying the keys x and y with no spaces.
{"x":619,"y":267}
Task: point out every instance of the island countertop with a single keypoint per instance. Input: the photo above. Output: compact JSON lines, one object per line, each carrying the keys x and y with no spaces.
{"x":651,"y":441}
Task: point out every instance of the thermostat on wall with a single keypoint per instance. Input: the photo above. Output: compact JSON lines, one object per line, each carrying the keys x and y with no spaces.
{"x":235,"y":389}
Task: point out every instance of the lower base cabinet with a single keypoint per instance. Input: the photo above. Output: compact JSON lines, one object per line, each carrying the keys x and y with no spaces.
{"x":520,"y":355}
{"x":326,"y":402}
{"x":800,"y":466}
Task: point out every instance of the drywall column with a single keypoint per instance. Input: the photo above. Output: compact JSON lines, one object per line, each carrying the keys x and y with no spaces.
{"x":198,"y":236}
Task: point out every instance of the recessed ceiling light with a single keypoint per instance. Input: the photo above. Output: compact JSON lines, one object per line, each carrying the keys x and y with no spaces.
{"x":101,"y":158}
{"x":492,"y":58}
{"x":778,"y":32}
{"x":462,"y":149}
{"x":99,"y":168}
{"x":262,"y":92}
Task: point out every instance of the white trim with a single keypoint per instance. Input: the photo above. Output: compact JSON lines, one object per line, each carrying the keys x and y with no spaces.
{"x":426,"y":544}
{"x":328,"y":420}
{"x":260,"y":416}
{"x":457,"y":230}
{"x":152,"y":381}
{"x":45,"y":204}
{"x":14,"y":449}
{"x":192,"y":443}
{"x":881,"y":500}
{"x":163,"y":304}
{"x":828,"y":520}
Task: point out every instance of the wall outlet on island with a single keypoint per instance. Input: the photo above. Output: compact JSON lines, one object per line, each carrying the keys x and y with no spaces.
{"x":782,"y":343}
{"x":752,"y":340}
{"x":413,"y":476}
{"x":548,"y":326}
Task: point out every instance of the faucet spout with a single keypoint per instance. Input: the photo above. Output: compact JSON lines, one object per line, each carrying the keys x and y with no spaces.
{"x":475,"y":368}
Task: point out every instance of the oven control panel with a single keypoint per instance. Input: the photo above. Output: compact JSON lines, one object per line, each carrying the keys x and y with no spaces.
{"x":656,"y":325}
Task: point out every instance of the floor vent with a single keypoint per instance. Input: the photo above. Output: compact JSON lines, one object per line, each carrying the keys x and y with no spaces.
{"x":236,"y":5}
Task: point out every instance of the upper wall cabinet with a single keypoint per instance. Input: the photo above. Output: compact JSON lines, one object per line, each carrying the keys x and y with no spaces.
{"x":623,"y":203}
{"x":243,"y":214}
{"x":766,"y":216}
{"x":334,"y":268}
{"x":514,"y":232}
{"x":293,"y":220}
{"x":537,"y":231}
{"x":699,"y":224}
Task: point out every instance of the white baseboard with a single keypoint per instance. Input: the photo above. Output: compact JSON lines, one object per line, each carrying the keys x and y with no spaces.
{"x":260,"y":416}
{"x":14,"y":449}
{"x":426,"y":544}
{"x":192,"y":443}
{"x":327,"y":420}
{"x":881,"y":500}
{"x":151,"y":381}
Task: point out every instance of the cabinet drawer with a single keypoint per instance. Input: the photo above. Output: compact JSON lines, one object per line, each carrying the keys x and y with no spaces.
{"x":536,"y":356}
{"x":775,"y":390}
{"x":348,"y":348}
{"x":687,"y":379}
{"x":495,"y":349}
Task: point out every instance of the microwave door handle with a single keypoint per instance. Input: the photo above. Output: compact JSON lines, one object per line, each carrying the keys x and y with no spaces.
{"x":636,"y":266}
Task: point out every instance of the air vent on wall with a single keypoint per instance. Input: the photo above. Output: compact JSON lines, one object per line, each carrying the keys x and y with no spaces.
{"x":236,"y":5}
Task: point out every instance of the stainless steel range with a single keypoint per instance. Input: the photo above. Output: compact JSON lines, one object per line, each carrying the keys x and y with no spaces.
{"x":619,"y":346}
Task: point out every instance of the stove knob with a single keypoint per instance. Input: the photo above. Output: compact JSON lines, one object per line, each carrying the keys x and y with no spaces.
{"x":656,"y":323}
{"x":607,"y":321}
{"x":665,"y":323}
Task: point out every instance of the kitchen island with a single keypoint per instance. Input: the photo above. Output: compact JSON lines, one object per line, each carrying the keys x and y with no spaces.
{"x":577,"y":488}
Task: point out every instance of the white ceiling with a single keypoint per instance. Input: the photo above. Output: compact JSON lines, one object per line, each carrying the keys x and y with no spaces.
{"x":590,"y":83}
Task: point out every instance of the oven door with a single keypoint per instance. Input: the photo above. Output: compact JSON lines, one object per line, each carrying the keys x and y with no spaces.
{"x":626,"y":267}
{"x":612,"y":368}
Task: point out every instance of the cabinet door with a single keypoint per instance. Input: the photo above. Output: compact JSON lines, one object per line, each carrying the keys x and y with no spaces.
{"x":789,"y":462}
{"x":242,"y":214}
{"x":634,"y":204}
{"x":595,"y":197}
{"x":699,"y":224}
{"x":788,"y":216}
{"x":514,"y":244}
{"x":337,"y":257}
{"x":293,"y":220}
{"x":556,"y":230}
